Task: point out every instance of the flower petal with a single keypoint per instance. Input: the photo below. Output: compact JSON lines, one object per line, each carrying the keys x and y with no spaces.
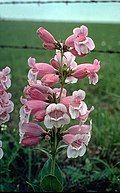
{"x":93,"y":79}
{"x":73,"y":112}
{"x":80,"y":93}
{"x":83,"y":108}
{"x":71,"y":80}
{"x":82,"y":150}
{"x":32,"y":129}
{"x":71,"y":153}
{"x":47,"y":122}
{"x":1,"y":153}
{"x":68,"y":138}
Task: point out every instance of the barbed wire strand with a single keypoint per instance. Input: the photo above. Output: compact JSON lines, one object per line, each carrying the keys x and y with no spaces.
{"x":60,"y":1}
{"x":39,"y":48}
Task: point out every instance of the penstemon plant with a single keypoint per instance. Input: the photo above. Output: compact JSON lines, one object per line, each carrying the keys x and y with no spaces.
{"x":6,"y":105}
{"x":44,"y":102}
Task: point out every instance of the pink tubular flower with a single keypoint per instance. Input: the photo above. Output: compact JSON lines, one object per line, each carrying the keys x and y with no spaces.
{"x":89,"y":70}
{"x":50,"y":79}
{"x":68,"y":64}
{"x":79,"y":43}
{"x":77,"y":138}
{"x":77,"y":106}
{"x":49,"y":46}
{"x":39,"y":69}
{"x":49,"y":41}
{"x":35,"y":105}
{"x":56,"y":116}
{"x":34,"y":93}
{"x":31,"y":133}
{"x":37,"y":91}
{"x":37,"y":98}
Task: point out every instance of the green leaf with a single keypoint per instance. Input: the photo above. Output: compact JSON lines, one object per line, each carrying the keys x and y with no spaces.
{"x":50,"y":183}
{"x":58,"y":176}
{"x":46,"y":170}
{"x":59,"y":173}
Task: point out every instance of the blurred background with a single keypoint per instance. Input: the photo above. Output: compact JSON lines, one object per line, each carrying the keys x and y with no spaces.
{"x":98,"y":170}
{"x":55,"y":11}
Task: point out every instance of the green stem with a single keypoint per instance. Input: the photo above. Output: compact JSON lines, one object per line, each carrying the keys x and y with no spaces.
{"x":53,"y":165}
{"x":54,"y":145}
{"x":54,"y":133}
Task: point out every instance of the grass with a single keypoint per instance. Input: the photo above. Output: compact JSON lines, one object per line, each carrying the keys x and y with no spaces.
{"x":99,"y":168}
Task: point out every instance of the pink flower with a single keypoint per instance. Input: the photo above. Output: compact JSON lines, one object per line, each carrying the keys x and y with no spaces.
{"x":37,"y":98}
{"x":89,"y":70}
{"x":57,"y":92}
{"x":66,"y":101}
{"x":75,"y":104}
{"x":49,"y":46}
{"x":56,"y":116}
{"x":35,"y":106}
{"x":49,"y":41}
{"x":68,"y":60}
{"x":67,"y":63}
{"x":32,"y":92}
{"x":77,"y":138}
{"x":1,"y":151}
{"x":39,"y":115}
{"x":37,"y":91}
{"x":83,"y":118}
{"x":5,"y":81}
{"x":50,"y":79}
{"x":39,"y":69}
{"x":6,"y":107}
{"x":79,"y":129}
{"x":79,"y":42}
{"x":30,"y":133}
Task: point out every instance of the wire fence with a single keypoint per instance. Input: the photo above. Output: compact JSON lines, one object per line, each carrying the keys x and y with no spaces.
{"x":40,"y":48}
{"x":59,"y":1}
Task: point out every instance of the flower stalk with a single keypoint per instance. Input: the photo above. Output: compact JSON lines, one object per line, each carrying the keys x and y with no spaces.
{"x":45,"y":103}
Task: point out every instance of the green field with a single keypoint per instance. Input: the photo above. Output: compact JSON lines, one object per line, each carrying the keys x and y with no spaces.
{"x":98,"y":170}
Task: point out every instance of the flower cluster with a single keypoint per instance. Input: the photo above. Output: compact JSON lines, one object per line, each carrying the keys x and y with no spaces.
{"x":43,"y":102}
{"x":6,"y":105}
